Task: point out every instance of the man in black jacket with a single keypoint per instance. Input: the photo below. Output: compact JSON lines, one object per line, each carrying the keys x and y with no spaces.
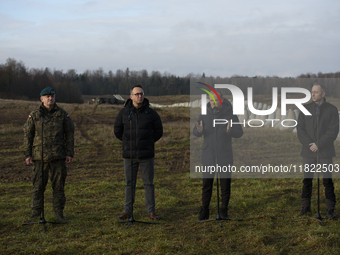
{"x":317,"y":134}
{"x":217,"y":150}
{"x":146,"y":130}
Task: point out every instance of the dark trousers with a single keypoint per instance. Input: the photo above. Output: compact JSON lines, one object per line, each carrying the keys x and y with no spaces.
{"x":308,"y":178}
{"x":147,"y":171}
{"x":58,"y":173}
{"x":207,"y":190}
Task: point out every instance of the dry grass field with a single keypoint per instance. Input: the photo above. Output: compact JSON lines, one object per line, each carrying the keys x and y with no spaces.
{"x":95,"y":193}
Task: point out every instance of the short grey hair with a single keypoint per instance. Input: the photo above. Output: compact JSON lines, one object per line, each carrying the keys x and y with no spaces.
{"x":323,"y":87}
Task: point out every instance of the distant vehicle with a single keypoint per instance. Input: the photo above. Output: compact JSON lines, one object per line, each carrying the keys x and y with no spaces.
{"x":103,"y":100}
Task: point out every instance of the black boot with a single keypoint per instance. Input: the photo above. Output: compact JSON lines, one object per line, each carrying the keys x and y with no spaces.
{"x":60,"y":216}
{"x":204,"y":213}
{"x":305,"y":211}
{"x":224,"y":213}
{"x":305,"y":202}
{"x":330,"y":208}
{"x":35,"y":214}
{"x":330,"y":214}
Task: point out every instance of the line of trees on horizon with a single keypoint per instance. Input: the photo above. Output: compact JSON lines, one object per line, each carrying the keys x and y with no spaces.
{"x":19,"y":82}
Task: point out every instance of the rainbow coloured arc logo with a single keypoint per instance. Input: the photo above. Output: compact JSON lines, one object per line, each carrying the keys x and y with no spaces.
{"x":209,"y":93}
{"x":204,"y":98}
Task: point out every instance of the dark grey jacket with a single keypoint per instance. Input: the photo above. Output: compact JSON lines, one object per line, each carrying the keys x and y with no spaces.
{"x":146,"y":130}
{"x":222,"y":142}
{"x":328,"y":130}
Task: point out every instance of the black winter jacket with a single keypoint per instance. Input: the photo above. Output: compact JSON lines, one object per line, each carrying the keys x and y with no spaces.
{"x":328,"y":130}
{"x":223,"y":140}
{"x":146,"y":130}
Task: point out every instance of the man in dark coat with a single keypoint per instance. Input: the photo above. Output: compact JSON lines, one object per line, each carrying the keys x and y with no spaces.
{"x":146,"y":129}
{"x":317,"y":134}
{"x":58,"y":148}
{"x":217,"y":150}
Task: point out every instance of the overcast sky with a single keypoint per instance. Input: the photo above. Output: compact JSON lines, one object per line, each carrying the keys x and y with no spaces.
{"x":219,"y":38}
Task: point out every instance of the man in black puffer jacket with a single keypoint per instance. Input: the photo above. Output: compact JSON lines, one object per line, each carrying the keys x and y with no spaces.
{"x":146,"y":129}
{"x":217,"y":138}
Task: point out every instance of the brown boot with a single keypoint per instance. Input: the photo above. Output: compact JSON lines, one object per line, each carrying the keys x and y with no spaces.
{"x":124,"y":216}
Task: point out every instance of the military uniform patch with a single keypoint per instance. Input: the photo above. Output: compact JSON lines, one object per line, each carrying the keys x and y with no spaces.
{"x":29,"y":116}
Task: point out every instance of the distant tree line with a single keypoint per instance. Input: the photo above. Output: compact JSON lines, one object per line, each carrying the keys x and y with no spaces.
{"x":19,"y":82}
{"x":155,"y":84}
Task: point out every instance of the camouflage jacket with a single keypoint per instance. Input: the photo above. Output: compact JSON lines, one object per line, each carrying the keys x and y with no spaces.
{"x":58,"y":134}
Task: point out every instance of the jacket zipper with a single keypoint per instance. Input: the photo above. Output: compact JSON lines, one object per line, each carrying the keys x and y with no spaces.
{"x":136,"y":134}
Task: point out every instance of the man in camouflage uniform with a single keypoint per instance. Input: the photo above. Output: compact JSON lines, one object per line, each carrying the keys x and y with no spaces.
{"x":58,"y":149}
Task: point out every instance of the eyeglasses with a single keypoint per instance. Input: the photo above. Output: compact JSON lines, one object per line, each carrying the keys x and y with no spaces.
{"x":139,"y":94}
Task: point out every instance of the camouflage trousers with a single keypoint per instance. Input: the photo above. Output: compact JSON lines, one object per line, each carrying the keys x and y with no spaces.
{"x":58,"y":172}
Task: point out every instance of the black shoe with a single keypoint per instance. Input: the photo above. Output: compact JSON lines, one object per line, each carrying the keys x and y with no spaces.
{"x":204,"y":213}
{"x":60,"y":216}
{"x":35,"y":214}
{"x":304,"y":211}
{"x":330,"y":214}
{"x":224,"y":213}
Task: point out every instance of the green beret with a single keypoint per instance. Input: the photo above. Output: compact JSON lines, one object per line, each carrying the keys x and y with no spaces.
{"x":47,"y":91}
